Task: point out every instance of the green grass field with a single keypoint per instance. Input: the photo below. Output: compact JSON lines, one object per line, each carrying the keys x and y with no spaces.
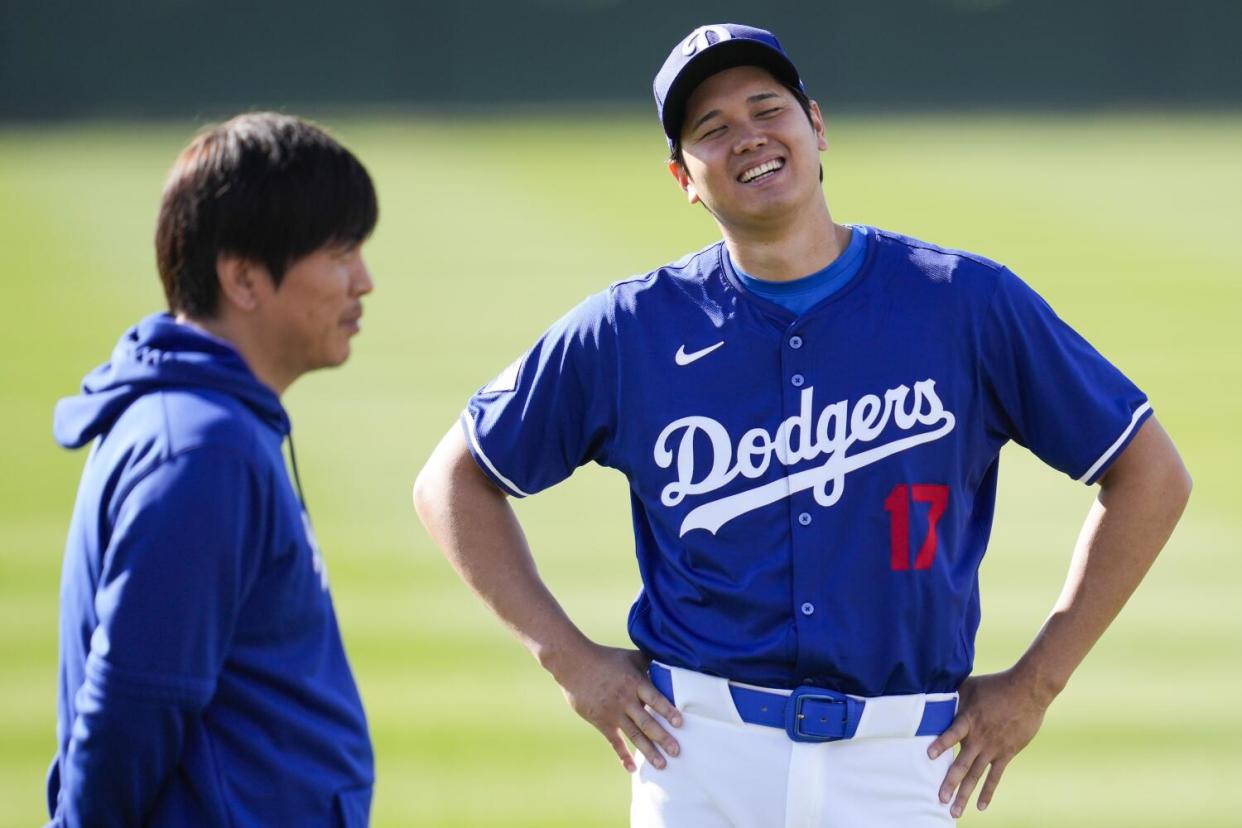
{"x":490,"y":228}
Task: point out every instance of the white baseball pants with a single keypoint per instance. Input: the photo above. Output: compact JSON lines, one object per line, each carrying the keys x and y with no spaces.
{"x":738,"y":775}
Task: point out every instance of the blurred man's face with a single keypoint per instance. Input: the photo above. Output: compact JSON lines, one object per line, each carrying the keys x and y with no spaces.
{"x":317,"y":308}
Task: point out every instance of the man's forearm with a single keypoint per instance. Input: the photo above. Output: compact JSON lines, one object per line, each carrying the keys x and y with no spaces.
{"x":472,"y":522}
{"x":1140,"y":501}
{"x":475,"y":527}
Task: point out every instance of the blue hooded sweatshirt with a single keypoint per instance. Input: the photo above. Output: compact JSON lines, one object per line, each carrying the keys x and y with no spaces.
{"x":202,"y":676}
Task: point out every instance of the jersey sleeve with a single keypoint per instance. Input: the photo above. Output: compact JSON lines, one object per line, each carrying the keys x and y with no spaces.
{"x":552,"y":410}
{"x":1051,"y":391}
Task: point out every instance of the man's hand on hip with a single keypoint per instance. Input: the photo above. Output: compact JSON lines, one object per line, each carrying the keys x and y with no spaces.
{"x":997,"y":716}
{"x":609,"y":687}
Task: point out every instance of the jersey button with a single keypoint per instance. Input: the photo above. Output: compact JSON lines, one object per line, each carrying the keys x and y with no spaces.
{"x":808,"y":608}
{"x":805,"y":518}
{"x":795,"y":342}
{"x":797,"y":380}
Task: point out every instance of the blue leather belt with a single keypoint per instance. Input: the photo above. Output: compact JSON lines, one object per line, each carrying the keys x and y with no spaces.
{"x":810,"y":714}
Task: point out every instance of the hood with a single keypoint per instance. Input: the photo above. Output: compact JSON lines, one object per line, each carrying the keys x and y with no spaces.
{"x":160,"y":353}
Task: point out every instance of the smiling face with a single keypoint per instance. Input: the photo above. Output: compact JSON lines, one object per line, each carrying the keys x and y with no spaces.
{"x":749,"y":152}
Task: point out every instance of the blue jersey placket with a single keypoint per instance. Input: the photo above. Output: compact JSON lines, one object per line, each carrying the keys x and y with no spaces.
{"x":808,"y":557}
{"x":811,"y":547}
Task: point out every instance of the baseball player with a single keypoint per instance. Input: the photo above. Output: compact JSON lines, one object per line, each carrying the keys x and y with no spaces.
{"x":809,"y":415}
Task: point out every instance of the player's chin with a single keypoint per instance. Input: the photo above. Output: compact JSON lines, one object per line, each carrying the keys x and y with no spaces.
{"x":767,"y":208}
{"x":336,"y":353}
{"x":777,"y":201}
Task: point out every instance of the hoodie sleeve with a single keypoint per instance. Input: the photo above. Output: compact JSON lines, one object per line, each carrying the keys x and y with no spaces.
{"x":178,"y":566}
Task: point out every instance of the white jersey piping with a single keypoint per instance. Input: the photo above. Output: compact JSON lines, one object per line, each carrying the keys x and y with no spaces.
{"x":1107,"y":455}
{"x":478,"y":449}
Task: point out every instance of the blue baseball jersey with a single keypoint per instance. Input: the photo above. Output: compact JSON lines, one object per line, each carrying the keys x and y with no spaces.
{"x":812,"y":495}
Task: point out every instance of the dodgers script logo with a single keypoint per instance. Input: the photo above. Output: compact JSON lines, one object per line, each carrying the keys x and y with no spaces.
{"x":798,"y":439}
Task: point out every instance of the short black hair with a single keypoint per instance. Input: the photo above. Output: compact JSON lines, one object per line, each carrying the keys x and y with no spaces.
{"x":803,"y":101}
{"x":267,"y":187}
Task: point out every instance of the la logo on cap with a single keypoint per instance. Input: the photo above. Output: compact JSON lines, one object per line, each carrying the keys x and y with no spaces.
{"x":698,"y":38}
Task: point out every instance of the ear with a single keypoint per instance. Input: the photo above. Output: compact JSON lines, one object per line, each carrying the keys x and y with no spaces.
{"x":683,"y":180}
{"x":817,"y":121}
{"x":242,"y":282}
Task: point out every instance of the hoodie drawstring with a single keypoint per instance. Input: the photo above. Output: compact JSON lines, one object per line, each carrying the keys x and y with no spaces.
{"x":297,"y":480}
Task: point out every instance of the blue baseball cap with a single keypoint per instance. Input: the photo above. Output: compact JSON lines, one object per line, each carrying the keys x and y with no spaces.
{"x":711,"y":49}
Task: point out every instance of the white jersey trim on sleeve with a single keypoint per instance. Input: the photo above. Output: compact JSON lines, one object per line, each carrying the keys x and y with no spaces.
{"x":478,"y":450}
{"x":1107,"y":455}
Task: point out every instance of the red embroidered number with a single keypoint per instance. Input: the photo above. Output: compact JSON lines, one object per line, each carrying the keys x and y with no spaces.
{"x":897,"y":504}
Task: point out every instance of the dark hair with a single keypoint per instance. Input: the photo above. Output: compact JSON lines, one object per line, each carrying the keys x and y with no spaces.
{"x":266,"y":187}
{"x":799,"y":96}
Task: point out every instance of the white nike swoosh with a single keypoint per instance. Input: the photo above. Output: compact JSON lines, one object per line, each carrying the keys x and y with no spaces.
{"x":682,"y":358}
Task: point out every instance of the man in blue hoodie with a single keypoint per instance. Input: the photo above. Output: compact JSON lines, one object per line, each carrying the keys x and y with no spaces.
{"x":202,"y":676}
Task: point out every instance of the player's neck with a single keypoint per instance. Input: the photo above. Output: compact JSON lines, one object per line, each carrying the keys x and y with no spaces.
{"x":789,"y":252}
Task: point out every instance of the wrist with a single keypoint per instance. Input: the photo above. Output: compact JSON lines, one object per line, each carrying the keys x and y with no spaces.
{"x":1042,"y":683}
{"x":559,"y":657}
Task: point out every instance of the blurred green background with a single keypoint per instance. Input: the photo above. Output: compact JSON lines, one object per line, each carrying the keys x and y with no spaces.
{"x":490,"y":228}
